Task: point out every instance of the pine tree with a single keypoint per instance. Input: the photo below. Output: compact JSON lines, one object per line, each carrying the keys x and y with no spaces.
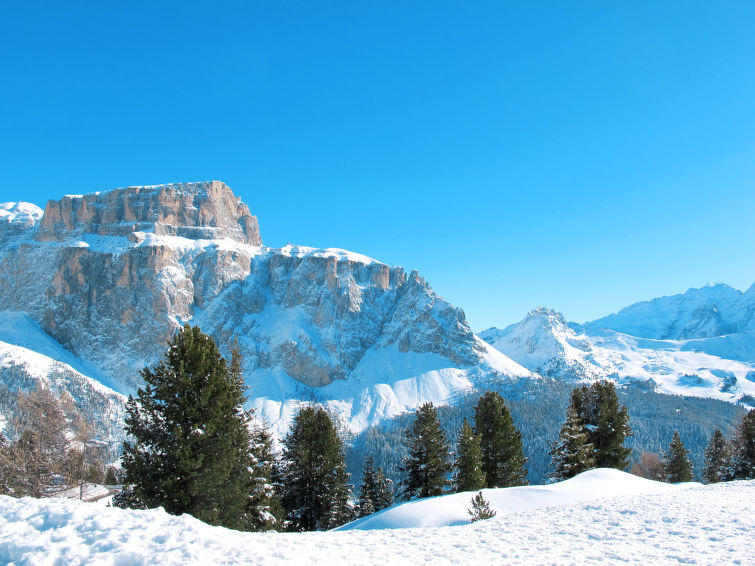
{"x":676,"y":465}
{"x":264,"y":508}
{"x":742,"y":464}
{"x":480,"y":508}
{"x":572,"y":453}
{"x":501,"y":443}
{"x":314,"y":488}
{"x":469,"y":475}
{"x":427,"y":464}
{"x":384,"y":491}
{"x":606,"y":423}
{"x":369,"y":492}
{"x":716,"y":458}
{"x":190,"y":441}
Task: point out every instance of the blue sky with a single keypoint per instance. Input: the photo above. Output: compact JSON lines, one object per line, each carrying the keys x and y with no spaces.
{"x":579,"y":155}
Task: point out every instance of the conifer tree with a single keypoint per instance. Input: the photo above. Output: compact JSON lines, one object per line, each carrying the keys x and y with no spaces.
{"x":369,"y":493}
{"x":606,"y":423}
{"x":469,"y":475}
{"x":501,"y":443}
{"x":314,"y":486}
{"x":572,"y":453}
{"x":676,"y":465}
{"x":742,"y":451}
{"x":384,"y":492}
{"x":716,"y":458}
{"x":189,"y":446}
{"x":480,"y":508}
{"x":264,"y":507}
{"x":428,"y":463}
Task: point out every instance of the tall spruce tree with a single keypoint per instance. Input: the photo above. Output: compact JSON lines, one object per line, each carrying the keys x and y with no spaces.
{"x":501,"y":443}
{"x":264,"y":506}
{"x":189,"y":441}
{"x":384,"y":491}
{"x":677,"y":466}
{"x":469,"y":475}
{"x":427,"y":464}
{"x":368,"y":493}
{"x":716,"y":458}
{"x":742,"y":451}
{"x":572,"y":453}
{"x":314,"y":482}
{"x":606,"y":423}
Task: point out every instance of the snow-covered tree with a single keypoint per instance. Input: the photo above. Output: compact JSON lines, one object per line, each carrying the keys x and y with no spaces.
{"x":606,"y":423}
{"x":189,"y":439}
{"x":572,"y":453}
{"x":314,"y":482}
{"x":677,"y":466}
{"x":742,"y":451}
{"x":716,"y":458}
{"x":428,"y":462}
{"x":368,"y":491}
{"x":265,"y":511}
{"x":501,"y":443}
{"x":469,"y":475}
{"x":384,"y":491}
{"x":480,"y":508}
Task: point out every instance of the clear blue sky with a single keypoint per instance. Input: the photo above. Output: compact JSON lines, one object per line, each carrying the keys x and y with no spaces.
{"x":579,"y":155}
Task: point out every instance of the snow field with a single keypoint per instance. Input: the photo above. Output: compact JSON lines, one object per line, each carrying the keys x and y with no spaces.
{"x":689,"y":524}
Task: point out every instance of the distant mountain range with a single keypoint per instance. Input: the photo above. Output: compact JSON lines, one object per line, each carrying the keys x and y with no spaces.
{"x":92,"y":288}
{"x":700,"y":343}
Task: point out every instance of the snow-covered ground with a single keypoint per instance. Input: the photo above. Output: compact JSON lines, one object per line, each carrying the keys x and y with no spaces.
{"x":597,"y":518}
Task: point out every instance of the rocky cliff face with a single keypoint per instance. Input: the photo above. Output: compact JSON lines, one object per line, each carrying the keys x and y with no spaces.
{"x":112,"y":275}
{"x":193,"y":210}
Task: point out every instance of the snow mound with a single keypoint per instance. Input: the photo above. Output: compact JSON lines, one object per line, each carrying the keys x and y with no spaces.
{"x":449,"y":510}
{"x":701,"y":524}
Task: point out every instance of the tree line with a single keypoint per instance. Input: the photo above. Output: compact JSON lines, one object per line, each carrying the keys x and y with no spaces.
{"x":192,"y":448}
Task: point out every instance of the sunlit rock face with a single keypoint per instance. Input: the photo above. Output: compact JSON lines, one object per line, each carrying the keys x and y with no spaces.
{"x":112,"y":275}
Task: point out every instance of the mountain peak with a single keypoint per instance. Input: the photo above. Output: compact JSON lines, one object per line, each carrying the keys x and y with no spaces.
{"x":199,"y":210}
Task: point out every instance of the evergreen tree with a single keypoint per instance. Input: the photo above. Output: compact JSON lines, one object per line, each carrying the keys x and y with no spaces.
{"x":264,"y":507}
{"x":742,"y":451}
{"x":111,"y":476}
{"x":676,"y":465}
{"x":189,"y":447}
{"x":480,"y":508}
{"x":572,"y":453}
{"x":384,"y":491}
{"x":314,"y":480}
{"x":716,"y":458}
{"x":369,"y":492}
{"x":501,"y":443}
{"x":606,"y":423}
{"x":427,"y":464}
{"x":469,"y":475}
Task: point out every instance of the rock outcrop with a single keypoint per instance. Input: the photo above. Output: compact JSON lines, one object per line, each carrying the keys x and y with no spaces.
{"x":112,"y":275}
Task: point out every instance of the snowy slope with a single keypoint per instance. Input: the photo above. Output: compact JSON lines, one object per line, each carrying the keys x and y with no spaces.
{"x":30,"y":359}
{"x":660,"y":525}
{"x":545,"y":343}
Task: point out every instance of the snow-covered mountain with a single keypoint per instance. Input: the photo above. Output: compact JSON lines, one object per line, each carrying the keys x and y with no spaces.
{"x":109,"y":277}
{"x":698,"y":343}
